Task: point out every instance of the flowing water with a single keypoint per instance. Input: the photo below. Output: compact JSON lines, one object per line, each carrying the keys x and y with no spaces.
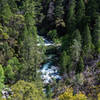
{"x":49,"y":72}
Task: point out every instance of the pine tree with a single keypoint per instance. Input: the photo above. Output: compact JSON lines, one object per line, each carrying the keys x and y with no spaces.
{"x":1,"y":78}
{"x":5,"y":12}
{"x":97,"y":34}
{"x":33,"y":57}
{"x":64,"y":61}
{"x":80,"y":13}
{"x":76,"y":45}
{"x":92,"y":8}
{"x":71,"y":18}
{"x":9,"y":74}
{"x":80,"y":65}
{"x":39,"y":11}
{"x":13,"y":6}
{"x":59,"y":11}
{"x":87,"y":40}
{"x":75,"y":50}
{"x":77,"y":35}
{"x":29,"y":13}
{"x":49,"y":92}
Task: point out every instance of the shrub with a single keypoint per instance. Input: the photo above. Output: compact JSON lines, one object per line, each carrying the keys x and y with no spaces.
{"x":25,"y":91}
{"x":68,"y":95}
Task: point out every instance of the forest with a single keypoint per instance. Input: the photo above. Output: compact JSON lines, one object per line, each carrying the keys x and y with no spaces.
{"x":49,"y":49}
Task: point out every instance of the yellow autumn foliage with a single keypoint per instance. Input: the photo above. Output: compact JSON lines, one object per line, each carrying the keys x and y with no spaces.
{"x":99,"y":96}
{"x":68,"y":95}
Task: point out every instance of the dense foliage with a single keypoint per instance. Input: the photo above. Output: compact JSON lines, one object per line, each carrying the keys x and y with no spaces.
{"x":74,"y":28}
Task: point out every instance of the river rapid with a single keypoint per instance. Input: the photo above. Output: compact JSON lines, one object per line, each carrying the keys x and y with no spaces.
{"x":49,"y":71}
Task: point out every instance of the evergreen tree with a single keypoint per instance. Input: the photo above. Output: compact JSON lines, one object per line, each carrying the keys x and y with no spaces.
{"x":97,"y":34}
{"x":80,"y":65}
{"x":64,"y":62}
{"x":87,"y":40}
{"x":52,"y":34}
{"x":71,"y":18}
{"x":39,"y":11}
{"x":92,"y":8}
{"x":13,"y":6}
{"x":5,"y":12}
{"x":75,"y":50}
{"x":33,"y":56}
{"x":27,"y":91}
{"x":1,"y":78}
{"x":49,"y":92}
{"x":59,"y":11}
{"x":13,"y":68}
{"x":77,"y":35}
{"x":9,"y":74}
{"x":76,"y":45}
{"x":80,"y":13}
{"x":29,"y":13}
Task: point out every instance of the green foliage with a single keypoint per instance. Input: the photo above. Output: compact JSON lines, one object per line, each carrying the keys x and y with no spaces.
{"x":80,"y":66}
{"x":5,"y":11}
{"x":13,"y":6}
{"x":75,"y":47}
{"x":12,"y":70}
{"x":77,"y":35}
{"x":97,"y":34}
{"x":71,"y":17}
{"x":27,"y":91}
{"x":76,"y":22}
{"x":1,"y":78}
{"x":92,"y":8}
{"x":9,"y":74}
{"x":80,"y":13}
{"x":39,"y":11}
{"x":33,"y":56}
{"x":59,"y":10}
{"x":29,"y":10}
{"x":87,"y":40}
{"x":49,"y":92}
{"x":17,"y":25}
{"x":64,"y":61}
{"x":80,"y":10}
{"x":52,"y":34}
{"x":75,"y":50}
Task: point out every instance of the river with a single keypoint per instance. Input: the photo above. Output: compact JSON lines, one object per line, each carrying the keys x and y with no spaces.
{"x":49,"y":71}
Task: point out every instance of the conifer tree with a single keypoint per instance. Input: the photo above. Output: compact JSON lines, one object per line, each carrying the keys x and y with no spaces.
{"x":87,"y":40}
{"x":71,"y":18}
{"x":9,"y":74}
{"x":1,"y":78}
{"x":80,"y":65}
{"x":97,"y":34}
{"x":80,"y":13}
{"x":59,"y":11}
{"x":33,"y":56}
{"x":5,"y":12}
{"x":92,"y":8}
{"x":64,"y":61}
{"x":77,"y":35}
{"x":39,"y":11}
{"x":75,"y":47}
{"x":13,"y":6}
{"x":29,"y":13}
{"x":75,"y":50}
